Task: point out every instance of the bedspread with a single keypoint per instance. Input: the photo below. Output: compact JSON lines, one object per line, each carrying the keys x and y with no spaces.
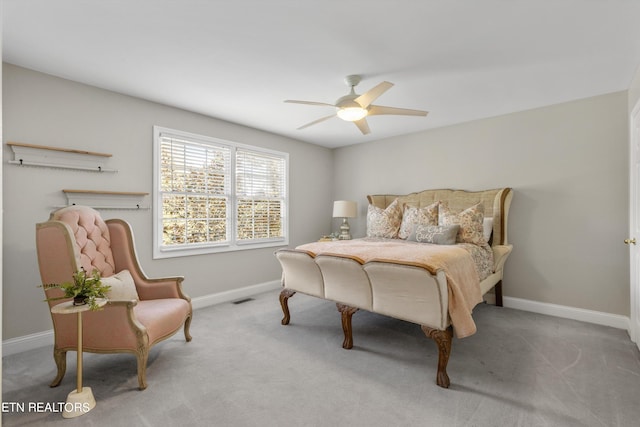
{"x":463,"y":280}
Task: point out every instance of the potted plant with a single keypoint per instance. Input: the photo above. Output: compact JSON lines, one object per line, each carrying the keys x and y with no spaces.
{"x":84,"y":289}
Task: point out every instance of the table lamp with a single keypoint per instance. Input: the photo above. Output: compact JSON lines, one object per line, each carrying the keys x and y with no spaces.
{"x":345,"y":209}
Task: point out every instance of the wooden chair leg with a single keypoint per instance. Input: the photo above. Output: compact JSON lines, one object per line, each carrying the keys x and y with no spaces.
{"x":187,"y":325}
{"x":142,"y":357}
{"x":346,"y":312}
{"x":60,"y":357}
{"x":284,"y":298}
{"x":443,"y":341}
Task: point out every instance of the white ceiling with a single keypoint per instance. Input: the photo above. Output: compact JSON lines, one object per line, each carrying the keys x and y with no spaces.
{"x":238,"y":60}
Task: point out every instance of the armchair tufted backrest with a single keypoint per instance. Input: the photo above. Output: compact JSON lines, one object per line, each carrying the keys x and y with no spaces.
{"x":91,"y":239}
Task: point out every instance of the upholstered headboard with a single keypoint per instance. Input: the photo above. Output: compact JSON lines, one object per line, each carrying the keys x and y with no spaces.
{"x":496,"y":204}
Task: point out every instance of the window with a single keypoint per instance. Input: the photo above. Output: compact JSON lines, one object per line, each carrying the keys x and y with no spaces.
{"x":212,"y":195}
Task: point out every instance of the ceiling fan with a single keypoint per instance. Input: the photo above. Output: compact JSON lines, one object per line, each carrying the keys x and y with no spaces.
{"x":355,"y":108}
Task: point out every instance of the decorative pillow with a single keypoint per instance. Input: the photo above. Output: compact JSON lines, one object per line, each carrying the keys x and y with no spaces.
{"x":470,"y":221}
{"x":384,"y":222}
{"x":413,"y":216}
{"x":438,"y":234}
{"x":122,"y":287}
{"x":487,"y":228}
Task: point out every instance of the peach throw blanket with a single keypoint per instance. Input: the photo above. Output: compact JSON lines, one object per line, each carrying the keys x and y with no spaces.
{"x":457,"y":264}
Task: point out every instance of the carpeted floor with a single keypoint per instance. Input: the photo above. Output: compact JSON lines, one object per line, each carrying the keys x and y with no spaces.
{"x":245,"y":369}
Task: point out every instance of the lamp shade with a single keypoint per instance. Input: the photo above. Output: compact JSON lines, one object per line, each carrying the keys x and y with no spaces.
{"x":345,"y":209}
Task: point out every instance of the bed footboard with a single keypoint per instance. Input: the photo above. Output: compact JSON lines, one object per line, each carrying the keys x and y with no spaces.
{"x":404,"y":292}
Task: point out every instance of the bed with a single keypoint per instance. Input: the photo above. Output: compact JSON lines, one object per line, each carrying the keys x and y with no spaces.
{"x":428,"y":258}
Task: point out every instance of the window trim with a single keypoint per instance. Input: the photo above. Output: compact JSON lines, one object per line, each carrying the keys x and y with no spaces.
{"x":160,"y":252}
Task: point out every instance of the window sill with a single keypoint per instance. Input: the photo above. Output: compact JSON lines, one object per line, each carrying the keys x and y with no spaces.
{"x":205,"y":250}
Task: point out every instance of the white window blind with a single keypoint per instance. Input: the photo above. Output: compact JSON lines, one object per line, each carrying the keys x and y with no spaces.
{"x":195,"y":191}
{"x":213,"y":195}
{"x":260,"y":193}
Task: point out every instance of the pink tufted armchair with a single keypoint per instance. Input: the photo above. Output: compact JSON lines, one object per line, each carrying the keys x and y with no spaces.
{"x":76,"y":237}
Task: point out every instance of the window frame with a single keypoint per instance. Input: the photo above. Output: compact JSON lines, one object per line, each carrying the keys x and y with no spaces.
{"x":232,"y":244}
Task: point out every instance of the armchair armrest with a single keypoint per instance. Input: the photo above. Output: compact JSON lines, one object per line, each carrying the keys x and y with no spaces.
{"x":165,"y":287}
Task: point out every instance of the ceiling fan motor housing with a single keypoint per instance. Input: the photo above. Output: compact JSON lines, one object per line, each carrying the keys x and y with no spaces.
{"x":348,"y":101}
{"x":352,"y":80}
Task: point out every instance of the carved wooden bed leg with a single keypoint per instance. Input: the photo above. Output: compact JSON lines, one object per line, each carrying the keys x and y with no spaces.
{"x":346,"y":312}
{"x":443,"y":341}
{"x":497,"y":290}
{"x":284,"y":297}
{"x":60,"y":357}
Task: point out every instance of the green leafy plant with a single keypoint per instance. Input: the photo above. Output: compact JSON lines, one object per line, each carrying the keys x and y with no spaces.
{"x":84,"y":289}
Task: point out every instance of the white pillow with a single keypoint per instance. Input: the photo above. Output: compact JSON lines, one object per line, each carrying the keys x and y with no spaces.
{"x":487,"y":228}
{"x":122,"y":287}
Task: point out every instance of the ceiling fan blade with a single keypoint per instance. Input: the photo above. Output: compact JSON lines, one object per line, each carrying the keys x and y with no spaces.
{"x":378,"y":110}
{"x":293,"y":101}
{"x":372,"y":94}
{"x":316,"y":121}
{"x":363,"y":126}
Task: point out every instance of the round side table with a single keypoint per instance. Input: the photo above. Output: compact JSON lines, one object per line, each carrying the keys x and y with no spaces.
{"x":81,"y":400}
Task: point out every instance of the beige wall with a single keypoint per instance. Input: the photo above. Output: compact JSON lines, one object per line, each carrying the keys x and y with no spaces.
{"x":568,"y":166}
{"x":634,"y":90}
{"x":41,"y":109}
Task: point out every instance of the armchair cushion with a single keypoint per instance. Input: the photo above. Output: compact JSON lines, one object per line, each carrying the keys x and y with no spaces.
{"x":162,"y":317}
{"x":122,"y":287}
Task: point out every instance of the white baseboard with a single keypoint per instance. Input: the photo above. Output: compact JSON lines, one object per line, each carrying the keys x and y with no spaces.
{"x":27,"y":342}
{"x":566,"y":312}
{"x":42,"y":339}
{"x":235,"y":294}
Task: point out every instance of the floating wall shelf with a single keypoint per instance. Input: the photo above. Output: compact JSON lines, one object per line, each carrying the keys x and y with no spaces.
{"x":107,"y":199}
{"x":54,"y":157}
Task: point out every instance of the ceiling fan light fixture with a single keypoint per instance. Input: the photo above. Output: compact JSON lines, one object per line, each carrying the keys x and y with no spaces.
{"x":352,"y":114}
{"x":348,"y":109}
{"x":354,"y":108}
